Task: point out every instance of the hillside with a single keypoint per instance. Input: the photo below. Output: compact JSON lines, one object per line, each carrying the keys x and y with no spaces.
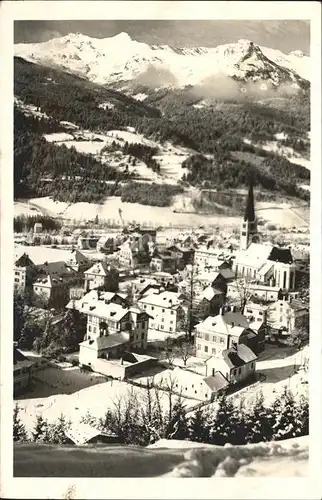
{"x":78,"y":141}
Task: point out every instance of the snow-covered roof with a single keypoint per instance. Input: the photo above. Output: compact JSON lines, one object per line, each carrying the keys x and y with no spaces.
{"x":230,"y":323}
{"x":100,"y":269}
{"x":216,"y":382}
{"x":102,"y":310}
{"x":108,"y":341}
{"x":163,"y":299}
{"x":209,"y":293}
{"x":238,"y":356}
{"x":39,"y":254}
{"x":81,"y":433}
{"x":255,"y":255}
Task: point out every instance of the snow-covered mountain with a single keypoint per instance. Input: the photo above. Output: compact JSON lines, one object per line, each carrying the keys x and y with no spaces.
{"x":121,"y":59}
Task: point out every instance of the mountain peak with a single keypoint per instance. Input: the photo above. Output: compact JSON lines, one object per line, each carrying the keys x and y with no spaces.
{"x":122,"y":37}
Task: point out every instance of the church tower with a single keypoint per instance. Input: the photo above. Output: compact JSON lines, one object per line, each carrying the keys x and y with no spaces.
{"x":249,"y":224}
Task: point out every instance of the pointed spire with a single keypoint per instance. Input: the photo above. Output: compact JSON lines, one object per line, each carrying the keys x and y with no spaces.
{"x":250,"y":209}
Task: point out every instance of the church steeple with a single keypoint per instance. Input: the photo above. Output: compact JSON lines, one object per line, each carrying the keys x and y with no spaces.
{"x":249,"y":224}
{"x":250,"y":209}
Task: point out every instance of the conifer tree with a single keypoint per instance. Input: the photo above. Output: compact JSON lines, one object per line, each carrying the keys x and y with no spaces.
{"x":219,"y":423}
{"x":19,"y":430}
{"x":197,"y":424}
{"x":178,"y":425}
{"x":57,"y":431}
{"x":261,"y":421}
{"x":41,"y":430}
{"x":284,"y":411}
{"x":302,"y":416}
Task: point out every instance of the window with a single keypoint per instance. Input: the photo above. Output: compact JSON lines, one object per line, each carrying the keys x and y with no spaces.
{"x":17,"y":280}
{"x":206,"y":336}
{"x":214,"y":338}
{"x":239,"y":371}
{"x":171,"y":322}
{"x":234,"y":372}
{"x":162,"y":319}
{"x":152,"y":308}
{"x":144,"y":306}
{"x":260,"y":313}
{"x":17,"y":273}
{"x":199,"y":347}
{"x":222,"y":341}
{"x":163,"y":310}
{"x":170,"y":329}
{"x":162,"y":327}
{"x":206,"y":348}
{"x":252,"y":366}
{"x":206,"y":395}
{"x":249,"y":311}
{"x":172,"y":312}
{"x":94,"y":329}
{"x":213,"y":351}
{"x":142,"y":336}
{"x":89,"y":328}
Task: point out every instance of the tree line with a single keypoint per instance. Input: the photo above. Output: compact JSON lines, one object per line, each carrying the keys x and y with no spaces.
{"x":142,"y":422}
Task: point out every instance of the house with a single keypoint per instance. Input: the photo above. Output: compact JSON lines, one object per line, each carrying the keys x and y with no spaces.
{"x":237,"y":364}
{"x":217,"y":333}
{"x":82,"y":434}
{"x":37,"y":228}
{"x":289,"y":314}
{"x":77,"y":261}
{"x":191,"y":384}
{"x":51,"y":288}
{"x":163,"y":262}
{"x":97,"y":297}
{"x":24,"y":273}
{"x":182,"y":256}
{"x":102,"y":275}
{"x":51,"y":291}
{"x":87,"y":241}
{"x":264,"y":263}
{"x":22,"y":372}
{"x":208,"y":256}
{"x":166,"y":311}
{"x":209,"y":302}
{"x":128,"y":254}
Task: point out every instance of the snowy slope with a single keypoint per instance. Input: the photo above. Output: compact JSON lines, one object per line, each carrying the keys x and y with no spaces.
{"x":121,"y":59}
{"x":285,"y":458}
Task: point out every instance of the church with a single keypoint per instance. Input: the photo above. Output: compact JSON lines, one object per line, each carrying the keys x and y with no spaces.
{"x":262,"y":263}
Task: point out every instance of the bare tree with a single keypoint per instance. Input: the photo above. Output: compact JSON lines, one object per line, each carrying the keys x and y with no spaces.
{"x":243,"y":291}
{"x":184,"y":351}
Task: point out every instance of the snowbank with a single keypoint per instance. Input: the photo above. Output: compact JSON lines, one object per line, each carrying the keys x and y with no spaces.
{"x":172,"y":459}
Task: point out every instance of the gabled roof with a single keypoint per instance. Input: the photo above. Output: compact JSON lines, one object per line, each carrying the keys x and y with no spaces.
{"x":283,"y":255}
{"x":230,"y":323}
{"x":108,"y":341}
{"x":238,"y":356}
{"x":227,"y":273}
{"x":24,"y":261}
{"x":209,"y":293}
{"x":164,"y":299}
{"x":102,"y":310}
{"x":82,"y":433}
{"x":77,"y":257}
{"x":216,"y":382}
{"x":101,"y":269}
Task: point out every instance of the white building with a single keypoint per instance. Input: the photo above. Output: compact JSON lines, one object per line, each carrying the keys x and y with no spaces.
{"x":166,"y":311}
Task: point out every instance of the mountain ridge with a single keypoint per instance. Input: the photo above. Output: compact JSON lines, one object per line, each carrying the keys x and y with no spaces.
{"x":122,"y":59}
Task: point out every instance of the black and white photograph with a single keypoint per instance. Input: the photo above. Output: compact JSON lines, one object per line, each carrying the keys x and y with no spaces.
{"x":162,"y":246}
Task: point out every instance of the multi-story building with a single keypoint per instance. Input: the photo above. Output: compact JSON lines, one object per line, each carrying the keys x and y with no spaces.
{"x":289,"y":314}
{"x":166,"y":311}
{"x":112,"y":329}
{"x":77,"y":261}
{"x":264,"y":293}
{"x":24,"y":273}
{"x":163,"y":262}
{"x":102,"y":275}
{"x":95,"y":297}
{"x":217,"y":333}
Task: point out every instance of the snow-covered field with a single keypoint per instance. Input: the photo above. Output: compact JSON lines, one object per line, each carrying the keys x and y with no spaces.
{"x":131,"y":212}
{"x":73,"y":393}
{"x":286,"y":151}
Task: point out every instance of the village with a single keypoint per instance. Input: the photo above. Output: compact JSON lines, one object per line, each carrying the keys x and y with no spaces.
{"x":195,"y":313}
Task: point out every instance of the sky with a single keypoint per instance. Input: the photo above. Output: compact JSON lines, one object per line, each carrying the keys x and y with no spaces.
{"x":282,"y":35}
